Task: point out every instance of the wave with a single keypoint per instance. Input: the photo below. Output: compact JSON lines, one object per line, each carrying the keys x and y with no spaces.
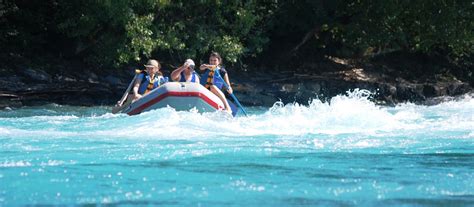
{"x":352,"y":113}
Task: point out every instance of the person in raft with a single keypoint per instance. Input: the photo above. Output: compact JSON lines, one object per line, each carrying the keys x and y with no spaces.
{"x":215,"y":82}
{"x":145,"y":81}
{"x":148,"y":80}
{"x":185,"y":73}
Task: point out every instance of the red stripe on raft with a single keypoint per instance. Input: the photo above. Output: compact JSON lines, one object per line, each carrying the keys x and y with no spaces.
{"x":173,"y":93}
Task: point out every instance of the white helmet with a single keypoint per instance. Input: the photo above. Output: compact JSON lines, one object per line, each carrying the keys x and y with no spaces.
{"x":190,"y":63}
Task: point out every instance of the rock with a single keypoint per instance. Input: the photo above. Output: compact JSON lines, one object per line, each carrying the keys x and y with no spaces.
{"x":314,"y":87}
{"x":113,"y":80}
{"x":458,"y":88}
{"x":37,"y":75}
{"x":39,"y":87}
{"x":288,"y":88}
{"x":392,"y":89}
{"x":8,"y":103}
{"x":12,"y":83}
{"x":93,"y":78}
{"x":63,"y":78}
{"x":257,"y":99}
{"x":84,"y":87}
{"x":430,"y":90}
{"x":410,"y":92}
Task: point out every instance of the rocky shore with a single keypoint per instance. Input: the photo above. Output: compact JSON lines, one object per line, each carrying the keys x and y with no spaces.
{"x":33,"y":86}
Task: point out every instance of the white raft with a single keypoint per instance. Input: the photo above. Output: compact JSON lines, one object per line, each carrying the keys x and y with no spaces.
{"x":181,"y":96}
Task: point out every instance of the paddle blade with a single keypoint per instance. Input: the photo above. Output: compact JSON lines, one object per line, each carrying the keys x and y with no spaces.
{"x":234,"y":108}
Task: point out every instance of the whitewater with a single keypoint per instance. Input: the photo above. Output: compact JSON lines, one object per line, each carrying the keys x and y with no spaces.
{"x":347,"y":151}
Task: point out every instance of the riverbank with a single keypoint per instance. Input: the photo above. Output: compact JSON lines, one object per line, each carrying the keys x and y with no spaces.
{"x":29,"y":85}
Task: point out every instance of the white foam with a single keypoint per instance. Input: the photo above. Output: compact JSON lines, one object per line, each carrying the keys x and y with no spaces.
{"x":15,"y":164}
{"x":352,"y":113}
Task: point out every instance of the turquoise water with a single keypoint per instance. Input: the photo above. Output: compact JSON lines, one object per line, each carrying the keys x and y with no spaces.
{"x":350,"y":152}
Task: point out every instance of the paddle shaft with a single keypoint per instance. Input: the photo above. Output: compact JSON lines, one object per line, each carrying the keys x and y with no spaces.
{"x":124,"y":97}
{"x":232,"y":94}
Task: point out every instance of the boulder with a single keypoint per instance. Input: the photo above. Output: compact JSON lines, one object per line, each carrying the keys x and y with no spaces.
{"x":37,"y":75}
{"x":113,"y":80}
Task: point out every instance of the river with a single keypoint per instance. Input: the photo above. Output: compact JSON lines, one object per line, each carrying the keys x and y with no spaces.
{"x":345,"y":152}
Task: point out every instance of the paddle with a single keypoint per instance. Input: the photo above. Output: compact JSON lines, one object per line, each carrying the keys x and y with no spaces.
{"x":125,"y":95}
{"x":232,"y":94}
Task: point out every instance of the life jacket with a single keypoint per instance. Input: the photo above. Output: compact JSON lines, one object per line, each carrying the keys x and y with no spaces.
{"x":209,"y":78}
{"x":149,"y":84}
{"x":183,"y":77}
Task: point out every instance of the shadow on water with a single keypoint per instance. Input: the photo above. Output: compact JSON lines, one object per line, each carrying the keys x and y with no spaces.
{"x":448,"y":201}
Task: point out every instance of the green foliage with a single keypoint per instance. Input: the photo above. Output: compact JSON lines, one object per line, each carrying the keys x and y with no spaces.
{"x":117,"y":32}
{"x":186,"y":29}
{"x":429,"y":27}
{"x":421,"y":26}
{"x":140,"y":39}
{"x":183,"y":29}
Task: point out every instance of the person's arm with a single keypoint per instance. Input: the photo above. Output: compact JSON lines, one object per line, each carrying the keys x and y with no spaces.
{"x":135,"y":88}
{"x":177,"y":72}
{"x":226,"y":79}
{"x":205,"y":66}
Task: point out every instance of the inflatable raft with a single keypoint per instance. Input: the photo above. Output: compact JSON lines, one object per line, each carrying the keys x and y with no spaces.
{"x":182,"y":96}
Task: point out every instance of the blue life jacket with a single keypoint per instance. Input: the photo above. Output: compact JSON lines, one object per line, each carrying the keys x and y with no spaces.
{"x":217,"y":80}
{"x":183,"y":77}
{"x":157,"y":81}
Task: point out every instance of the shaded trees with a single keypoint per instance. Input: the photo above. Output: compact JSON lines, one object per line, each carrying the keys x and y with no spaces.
{"x":104,"y":33}
{"x":116,"y":32}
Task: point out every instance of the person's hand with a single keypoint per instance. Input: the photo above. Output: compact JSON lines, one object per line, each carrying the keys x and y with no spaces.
{"x":118,"y":104}
{"x":137,"y":96}
{"x":212,"y":67}
{"x":207,"y":66}
{"x":230,"y":90}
